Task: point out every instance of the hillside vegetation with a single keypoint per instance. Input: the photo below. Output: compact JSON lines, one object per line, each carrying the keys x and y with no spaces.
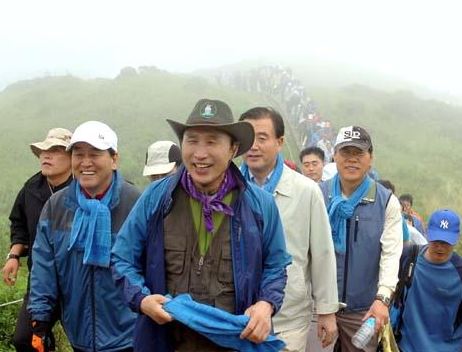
{"x":417,"y":142}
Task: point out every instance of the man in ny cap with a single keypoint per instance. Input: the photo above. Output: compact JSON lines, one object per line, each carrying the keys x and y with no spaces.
{"x":366,"y":225}
{"x":54,"y":174}
{"x":203,"y":231}
{"x":162,"y":159}
{"x":72,"y":250}
{"x":431,"y":317}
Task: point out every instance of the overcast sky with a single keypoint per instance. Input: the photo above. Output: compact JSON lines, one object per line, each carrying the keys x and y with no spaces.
{"x":416,"y":40}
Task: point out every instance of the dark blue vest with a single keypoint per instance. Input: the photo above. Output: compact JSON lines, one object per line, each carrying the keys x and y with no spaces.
{"x":358,"y":267}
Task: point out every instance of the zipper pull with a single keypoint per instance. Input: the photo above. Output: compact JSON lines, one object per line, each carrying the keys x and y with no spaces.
{"x":356,"y":228}
{"x":199,"y":267}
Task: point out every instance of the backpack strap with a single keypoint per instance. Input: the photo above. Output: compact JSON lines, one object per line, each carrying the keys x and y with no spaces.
{"x":405,"y":275}
{"x":406,"y":271}
{"x":457,"y":262}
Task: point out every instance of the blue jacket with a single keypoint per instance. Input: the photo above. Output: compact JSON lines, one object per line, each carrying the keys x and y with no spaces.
{"x":358,"y":267}
{"x":93,"y":312}
{"x":258,"y":251}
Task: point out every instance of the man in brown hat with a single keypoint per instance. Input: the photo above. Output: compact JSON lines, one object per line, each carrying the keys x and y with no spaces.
{"x":55,"y":174}
{"x":203,"y":231}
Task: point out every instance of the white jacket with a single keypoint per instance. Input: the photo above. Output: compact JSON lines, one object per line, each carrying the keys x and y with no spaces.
{"x":312,"y":276}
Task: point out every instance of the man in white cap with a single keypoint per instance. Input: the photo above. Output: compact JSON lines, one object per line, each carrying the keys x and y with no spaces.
{"x":54,"y":174}
{"x":203,"y":231}
{"x":162,"y":159}
{"x":72,"y":250}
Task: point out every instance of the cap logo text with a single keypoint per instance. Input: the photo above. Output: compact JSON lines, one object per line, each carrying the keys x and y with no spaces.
{"x":351,"y":135}
{"x":444,"y":224}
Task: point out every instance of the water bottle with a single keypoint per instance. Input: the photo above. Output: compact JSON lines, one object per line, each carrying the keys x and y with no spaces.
{"x":364,"y":334}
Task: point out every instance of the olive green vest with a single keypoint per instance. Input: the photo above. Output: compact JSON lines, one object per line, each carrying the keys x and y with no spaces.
{"x":207,"y":279}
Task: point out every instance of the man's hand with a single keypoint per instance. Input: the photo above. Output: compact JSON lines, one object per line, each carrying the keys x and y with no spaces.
{"x":379,"y":311}
{"x":259,"y":326}
{"x":10,"y":271}
{"x":327,"y":329}
{"x":152,"y":306}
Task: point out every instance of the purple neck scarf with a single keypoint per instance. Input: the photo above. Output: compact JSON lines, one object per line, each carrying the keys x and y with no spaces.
{"x":212,"y":202}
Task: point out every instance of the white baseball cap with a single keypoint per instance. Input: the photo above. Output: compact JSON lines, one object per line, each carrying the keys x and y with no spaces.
{"x":95,"y":133}
{"x":161,"y":158}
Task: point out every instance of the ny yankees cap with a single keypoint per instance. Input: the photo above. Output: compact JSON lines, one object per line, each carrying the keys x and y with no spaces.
{"x":353,"y":136}
{"x":444,"y":225}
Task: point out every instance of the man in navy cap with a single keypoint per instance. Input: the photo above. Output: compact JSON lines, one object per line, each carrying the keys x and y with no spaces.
{"x":432,"y":313}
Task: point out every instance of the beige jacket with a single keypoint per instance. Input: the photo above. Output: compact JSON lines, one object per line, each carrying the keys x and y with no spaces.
{"x":312,"y":276}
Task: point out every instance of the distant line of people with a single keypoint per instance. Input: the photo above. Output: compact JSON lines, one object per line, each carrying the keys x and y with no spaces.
{"x":216,"y":257}
{"x":302,"y":112}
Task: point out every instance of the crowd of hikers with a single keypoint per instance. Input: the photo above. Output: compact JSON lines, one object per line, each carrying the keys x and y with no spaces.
{"x":302,"y":113}
{"x":213,"y":256}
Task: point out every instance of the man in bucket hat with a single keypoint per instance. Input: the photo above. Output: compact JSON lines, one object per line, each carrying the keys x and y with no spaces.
{"x":431,"y":318}
{"x":162,"y":159}
{"x":72,"y":250}
{"x":203,"y":231}
{"x":54,"y":174}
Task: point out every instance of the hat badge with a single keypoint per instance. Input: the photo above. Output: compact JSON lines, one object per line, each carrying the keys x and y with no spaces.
{"x":208,"y":111}
{"x":444,"y":224}
{"x":101,"y":136}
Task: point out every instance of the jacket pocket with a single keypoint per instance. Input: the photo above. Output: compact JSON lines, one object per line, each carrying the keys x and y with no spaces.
{"x":225,"y":266}
{"x":175,"y":255}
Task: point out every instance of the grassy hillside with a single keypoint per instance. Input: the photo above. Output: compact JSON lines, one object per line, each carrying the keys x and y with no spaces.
{"x":417,"y":142}
{"x":135,"y":105}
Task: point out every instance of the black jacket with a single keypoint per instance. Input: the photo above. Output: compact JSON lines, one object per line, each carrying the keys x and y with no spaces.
{"x":26,"y":210}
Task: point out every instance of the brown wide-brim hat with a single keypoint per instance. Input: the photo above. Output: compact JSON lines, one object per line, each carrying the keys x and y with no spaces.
{"x":217,"y":114}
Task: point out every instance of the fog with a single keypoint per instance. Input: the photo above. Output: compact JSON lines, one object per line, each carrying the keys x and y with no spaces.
{"x":413,"y":40}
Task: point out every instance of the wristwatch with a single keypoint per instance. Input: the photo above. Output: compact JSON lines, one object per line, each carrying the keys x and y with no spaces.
{"x":12,"y":256}
{"x":382,"y":298}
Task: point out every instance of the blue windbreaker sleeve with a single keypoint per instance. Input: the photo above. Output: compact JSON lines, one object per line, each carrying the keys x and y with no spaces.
{"x":275,"y":256}
{"x":127,"y":258}
{"x":43,"y":278}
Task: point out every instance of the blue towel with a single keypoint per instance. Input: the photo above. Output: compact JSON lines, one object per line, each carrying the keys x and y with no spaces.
{"x":340,"y":209}
{"x":221,"y":327}
{"x":91,"y":227}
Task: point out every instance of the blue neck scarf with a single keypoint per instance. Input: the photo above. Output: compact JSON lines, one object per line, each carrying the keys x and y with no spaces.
{"x":91,"y":228}
{"x":269,"y":186}
{"x":341,"y":209}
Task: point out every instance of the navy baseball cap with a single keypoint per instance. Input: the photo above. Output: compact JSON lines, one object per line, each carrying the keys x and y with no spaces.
{"x":444,"y":225}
